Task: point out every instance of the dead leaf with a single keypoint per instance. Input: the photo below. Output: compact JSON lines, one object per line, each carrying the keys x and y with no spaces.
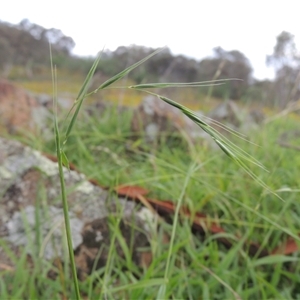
{"x":131,"y":191}
{"x":289,"y":247}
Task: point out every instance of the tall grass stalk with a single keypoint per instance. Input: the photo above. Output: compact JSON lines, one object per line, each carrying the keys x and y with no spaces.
{"x":162,"y":290}
{"x":62,"y":160}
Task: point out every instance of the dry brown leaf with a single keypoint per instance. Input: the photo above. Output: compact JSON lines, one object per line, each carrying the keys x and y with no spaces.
{"x":131,"y":191}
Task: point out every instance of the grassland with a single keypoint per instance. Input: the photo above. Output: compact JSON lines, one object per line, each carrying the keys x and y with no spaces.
{"x":208,"y":181}
{"x":203,"y":179}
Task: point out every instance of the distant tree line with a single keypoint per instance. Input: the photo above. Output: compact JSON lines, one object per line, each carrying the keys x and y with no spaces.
{"x":27,"y":44}
{"x":167,"y":67}
{"x":285,"y":88}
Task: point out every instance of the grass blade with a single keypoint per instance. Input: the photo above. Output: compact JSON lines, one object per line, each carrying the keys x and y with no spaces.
{"x":274,"y":259}
{"x":231,"y":150}
{"x":179,"y":85}
{"x":88,"y":78}
{"x":65,"y":160}
{"x":80,"y":98}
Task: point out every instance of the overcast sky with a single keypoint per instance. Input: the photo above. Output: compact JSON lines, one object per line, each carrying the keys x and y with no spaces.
{"x":187,"y":27}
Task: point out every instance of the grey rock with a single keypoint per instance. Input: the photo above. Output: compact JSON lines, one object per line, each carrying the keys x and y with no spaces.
{"x":29,"y":180}
{"x":227,"y":113}
{"x":51,"y":228}
{"x":154,"y":117}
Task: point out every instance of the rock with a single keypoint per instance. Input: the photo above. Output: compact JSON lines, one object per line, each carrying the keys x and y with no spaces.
{"x":20,"y":111}
{"x":51,"y":225}
{"x":98,"y":235}
{"x":31,"y":201}
{"x":257,"y":116}
{"x":100,"y":108}
{"x":15,"y":107}
{"x":46,"y":100}
{"x":153,"y":117}
{"x":227,"y":113}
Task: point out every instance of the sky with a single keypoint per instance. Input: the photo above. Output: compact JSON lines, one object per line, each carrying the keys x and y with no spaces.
{"x":192,"y":28}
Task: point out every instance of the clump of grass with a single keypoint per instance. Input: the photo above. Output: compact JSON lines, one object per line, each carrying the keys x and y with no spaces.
{"x":199,"y":267}
{"x":235,"y":153}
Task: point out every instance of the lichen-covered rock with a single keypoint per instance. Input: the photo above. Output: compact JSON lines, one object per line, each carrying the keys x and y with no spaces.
{"x":46,"y":222}
{"x":30,"y":201}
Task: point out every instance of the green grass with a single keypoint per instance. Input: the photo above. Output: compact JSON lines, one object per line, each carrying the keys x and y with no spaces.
{"x":205,"y":180}
{"x":199,"y":268}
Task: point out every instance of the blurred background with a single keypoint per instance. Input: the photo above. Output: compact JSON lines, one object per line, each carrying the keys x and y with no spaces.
{"x":253,"y":41}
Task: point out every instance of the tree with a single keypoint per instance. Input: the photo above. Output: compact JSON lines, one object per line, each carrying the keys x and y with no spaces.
{"x":53,"y":36}
{"x":27,"y":44}
{"x":227,"y":64}
{"x":286,"y":62}
{"x":60,"y":41}
{"x":6,"y":54}
{"x":285,"y":52}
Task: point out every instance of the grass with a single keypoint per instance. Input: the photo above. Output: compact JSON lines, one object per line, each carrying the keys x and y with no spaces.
{"x":205,"y":180}
{"x":215,"y":185}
